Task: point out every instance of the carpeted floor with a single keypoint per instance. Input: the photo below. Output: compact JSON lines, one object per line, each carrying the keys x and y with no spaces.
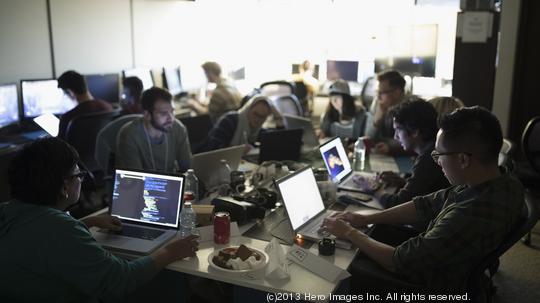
{"x":518,"y":278}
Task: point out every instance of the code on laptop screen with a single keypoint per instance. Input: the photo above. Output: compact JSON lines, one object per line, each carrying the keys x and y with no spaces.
{"x":146,"y":197}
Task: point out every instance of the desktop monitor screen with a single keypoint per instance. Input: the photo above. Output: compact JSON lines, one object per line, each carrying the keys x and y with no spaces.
{"x":296,"y":70}
{"x":172,"y":80}
{"x":346,"y":70}
{"x":9,"y":104}
{"x":412,"y":66}
{"x":142,"y":73}
{"x":43,"y":96}
{"x":104,"y":87}
{"x":238,"y":74}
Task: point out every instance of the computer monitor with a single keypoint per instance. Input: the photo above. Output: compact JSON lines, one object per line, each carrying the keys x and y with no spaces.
{"x":43,"y":96}
{"x":9,"y":104}
{"x":238,"y":74}
{"x":412,"y":66}
{"x":346,"y":70}
{"x":296,"y":70}
{"x":172,"y":80}
{"x":142,"y":73}
{"x":104,"y":86}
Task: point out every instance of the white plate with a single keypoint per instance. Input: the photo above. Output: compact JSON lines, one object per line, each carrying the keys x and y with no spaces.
{"x":261,"y":265}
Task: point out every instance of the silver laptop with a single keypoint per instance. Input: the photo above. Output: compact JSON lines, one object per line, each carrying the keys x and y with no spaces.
{"x":148,"y":204}
{"x":309,"y":137}
{"x":339,"y":168}
{"x":305,"y":206}
{"x":49,"y":122}
{"x":206,"y":164}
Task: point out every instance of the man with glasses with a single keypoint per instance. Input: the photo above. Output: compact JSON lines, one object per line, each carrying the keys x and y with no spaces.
{"x":157,"y":141}
{"x":466,"y":221}
{"x":390,"y":92}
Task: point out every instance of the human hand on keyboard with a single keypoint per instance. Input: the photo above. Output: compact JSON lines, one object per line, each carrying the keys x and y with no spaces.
{"x":392,"y":179}
{"x":336,"y":226}
{"x":104,"y":222}
{"x":366,"y":184}
{"x":354,"y":219}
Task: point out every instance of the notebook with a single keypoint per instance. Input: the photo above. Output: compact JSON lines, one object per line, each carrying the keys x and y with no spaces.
{"x":339,"y":168}
{"x":277,"y":145}
{"x":205,"y":165}
{"x":304,"y":205}
{"x":148,"y":204}
{"x":309,"y":137}
{"x":49,"y":122}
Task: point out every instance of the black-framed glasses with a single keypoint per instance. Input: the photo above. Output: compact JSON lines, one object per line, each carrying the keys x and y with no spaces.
{"x":81,"y":175}
{"x":435,"y":154}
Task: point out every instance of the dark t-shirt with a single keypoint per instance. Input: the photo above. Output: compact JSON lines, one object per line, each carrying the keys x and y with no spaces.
{"x":86,"y":107}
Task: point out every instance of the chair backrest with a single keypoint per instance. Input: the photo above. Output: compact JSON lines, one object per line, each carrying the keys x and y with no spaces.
{"x":287,"y":104}
{"x":277,"y":88}
{"x":529,"y":218}
{"x":506,"y":155}
{"x":198,"y":128}
{"x":530,"y":142}
{"x":6,"y":155}
{"x":368,"y":91}
{"x":82,"y":132}
{"x":106,"y":142}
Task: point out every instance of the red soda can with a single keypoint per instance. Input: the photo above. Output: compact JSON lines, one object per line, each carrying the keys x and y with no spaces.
{"x":188,"y":196}
{"x":222,"y":228}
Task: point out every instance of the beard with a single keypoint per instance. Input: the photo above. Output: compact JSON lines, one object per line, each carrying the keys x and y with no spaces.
{"x":162,"y":127}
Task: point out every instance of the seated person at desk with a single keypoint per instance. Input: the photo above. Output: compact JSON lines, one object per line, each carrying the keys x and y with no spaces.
{"x":74,"y":85}
{"x":131,"y":96}
{"x":342,"y":118}
{"x":49,"y":256}
{"x":225,"y":96}
{"x":390,"y":92}
{"x":415,"y":128}
{"x":467,"y":221}
{"x":239,"y":127}
{"x":156,"y":141}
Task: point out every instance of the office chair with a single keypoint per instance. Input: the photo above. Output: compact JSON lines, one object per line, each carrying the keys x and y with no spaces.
{"x":302,"y":94}
{"x":198,"y":128}
{"x":368,"y":91}
{"x":477,"y":280}
{"x":277,"y":88}
{"x":530,"y":144}
{"x":106,"y":143}
{"x":506,"y":155}
{"x":6,"y":155}
{"x":287,"y":104}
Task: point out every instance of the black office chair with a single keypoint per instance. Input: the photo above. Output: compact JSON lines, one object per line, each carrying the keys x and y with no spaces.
{"x":287,"y":104}
{"x":198,"y":128}
{"x":6,"y":155}
{"x":506,"y":155}
{"x":302,"y":94}
{"x":530,"y":144}
{"x":478,"y":283}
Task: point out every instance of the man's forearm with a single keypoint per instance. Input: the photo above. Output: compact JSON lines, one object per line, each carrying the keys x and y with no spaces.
{"x":401,"y":214}
{"x":375,"y":250}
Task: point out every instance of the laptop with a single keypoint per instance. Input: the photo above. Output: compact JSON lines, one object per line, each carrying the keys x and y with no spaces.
{"x":49,"y":123}
{"x":339,"y":168}
{"x":304,"y":205}
{"x":206,"y":164}
{"x":309,"y":137}
{"x":148,"y":204}
{"x":277,"y":145}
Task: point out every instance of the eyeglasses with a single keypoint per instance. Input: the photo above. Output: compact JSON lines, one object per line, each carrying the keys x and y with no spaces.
{"x":435,"y":154}
{"x":384,"y":92}
{"x":81,"y":175}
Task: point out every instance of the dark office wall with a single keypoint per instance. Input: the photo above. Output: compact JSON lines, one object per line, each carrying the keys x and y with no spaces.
{"x":526,"y":84}
{"x":474,"y":69}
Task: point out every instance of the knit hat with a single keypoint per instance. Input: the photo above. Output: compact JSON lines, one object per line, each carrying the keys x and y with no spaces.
{"x":340,"y":87}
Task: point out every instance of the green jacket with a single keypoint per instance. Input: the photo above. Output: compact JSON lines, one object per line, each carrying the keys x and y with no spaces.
{"x":48,"y":256}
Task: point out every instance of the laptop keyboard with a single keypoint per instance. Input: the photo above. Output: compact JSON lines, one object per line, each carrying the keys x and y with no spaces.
{"x":138,"y":232}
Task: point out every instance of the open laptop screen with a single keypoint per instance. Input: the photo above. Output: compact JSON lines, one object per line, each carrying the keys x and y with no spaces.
{"x":335,"y":159}
{"x":301,"y":197}
{"x":147,"y":197}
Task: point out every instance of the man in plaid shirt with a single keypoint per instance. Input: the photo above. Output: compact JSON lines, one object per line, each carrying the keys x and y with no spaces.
{"x":466,"y":221}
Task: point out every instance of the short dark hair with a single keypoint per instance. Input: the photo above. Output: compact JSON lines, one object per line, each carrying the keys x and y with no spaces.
{"x":417,"y":114}
{"x":37,"y":172}
{"x":212,"y":67}
{"x":73,"y":81}
{"x":475,"y":130}
{"x":394,"y":78}
{"x":134,"y":85}
{"x":152,"y":95}
{"x":348,"y":109}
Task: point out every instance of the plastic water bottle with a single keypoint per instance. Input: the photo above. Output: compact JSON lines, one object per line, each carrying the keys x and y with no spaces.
{"x":224,"y":177}
{"x":359,"y":154}
{"x":188,"y":220}
{"x":191,"y":192}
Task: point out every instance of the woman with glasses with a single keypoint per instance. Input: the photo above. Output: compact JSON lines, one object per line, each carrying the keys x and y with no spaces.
{"x":49,"y":256}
